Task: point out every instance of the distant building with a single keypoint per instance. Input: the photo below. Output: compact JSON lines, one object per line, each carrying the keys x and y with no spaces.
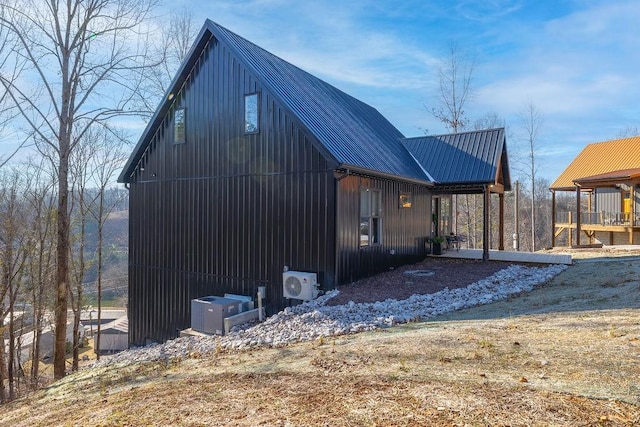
{"x":608,"y":173}
{"x":252,"y":166}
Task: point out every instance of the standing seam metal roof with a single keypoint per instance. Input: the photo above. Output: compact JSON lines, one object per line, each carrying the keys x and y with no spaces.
{"x":350,"y":132}
{"x":600,"y":158}
{"x":467,"y":157}
{"x":354,"y":133}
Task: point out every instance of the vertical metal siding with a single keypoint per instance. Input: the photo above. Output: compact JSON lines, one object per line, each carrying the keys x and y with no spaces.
{"x":224,"y":212}
{"x":608,"y":200}
{"x":404,"y":230}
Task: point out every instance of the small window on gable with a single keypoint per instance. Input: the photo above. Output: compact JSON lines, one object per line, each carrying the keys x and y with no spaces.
{"x":251,"y":122}
{"x":179,"y":126}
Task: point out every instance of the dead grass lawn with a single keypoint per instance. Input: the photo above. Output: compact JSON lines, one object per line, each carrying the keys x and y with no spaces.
{"x":539,"y":359}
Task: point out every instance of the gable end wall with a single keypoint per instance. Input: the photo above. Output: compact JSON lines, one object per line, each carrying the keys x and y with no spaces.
{"x":224,"y":212}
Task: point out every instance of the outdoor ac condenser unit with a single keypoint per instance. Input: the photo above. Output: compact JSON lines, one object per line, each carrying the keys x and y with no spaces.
{"x":300,"y":285}
{"x":208,"y":313}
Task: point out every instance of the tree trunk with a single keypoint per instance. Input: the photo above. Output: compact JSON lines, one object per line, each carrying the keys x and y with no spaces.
{"x":11,"y":360}
{"x":76,"y":340}
{"x":62,"y":270}
{"x":3,"y":371}
{"x":100,"y":229}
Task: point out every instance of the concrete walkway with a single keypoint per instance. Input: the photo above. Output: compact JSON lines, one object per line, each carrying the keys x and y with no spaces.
{"x":494,"y":255}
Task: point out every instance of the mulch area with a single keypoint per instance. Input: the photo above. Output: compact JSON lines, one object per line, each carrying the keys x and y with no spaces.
{"x":426,"y":277}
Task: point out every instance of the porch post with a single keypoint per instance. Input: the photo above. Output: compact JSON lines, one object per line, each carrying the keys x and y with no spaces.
{"x":632,"y":202}
{"x":553,"y":219}
{"x":578,"y":215}
{"x":485,"y":231}
{"x":589,"y":211}
{"x":501,"y":224}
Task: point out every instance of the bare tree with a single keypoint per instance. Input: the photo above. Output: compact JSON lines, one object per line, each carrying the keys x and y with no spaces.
{"x":10,"y":69}
{"x":40,"y":267}
{"x":80,"y":174}
{"x":176,"y":37}
{"x":454,"y":89}
{"x":107,"y":161}
{"x":12,"y":260}
{"x":532,"y":121}
{"x":489,"y":121}
{"x":82,"y":54}
{"x":629,"y":131}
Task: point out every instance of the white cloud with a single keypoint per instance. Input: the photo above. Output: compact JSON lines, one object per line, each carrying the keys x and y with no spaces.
{"x":576,"y":61}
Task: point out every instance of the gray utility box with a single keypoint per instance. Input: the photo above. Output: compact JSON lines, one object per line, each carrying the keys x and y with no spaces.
{"x":208,"y":313}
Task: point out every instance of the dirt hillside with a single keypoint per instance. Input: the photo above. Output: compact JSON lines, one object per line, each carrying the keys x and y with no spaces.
{"x":565,"y":354}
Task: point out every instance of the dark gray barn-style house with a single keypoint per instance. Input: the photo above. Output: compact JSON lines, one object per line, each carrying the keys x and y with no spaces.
{"x":251,"y":166}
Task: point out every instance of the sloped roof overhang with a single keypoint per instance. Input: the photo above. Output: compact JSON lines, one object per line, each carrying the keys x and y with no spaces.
{"x":600,"y":158}
{"x":343,"y":170}
{"x":609,"y":179}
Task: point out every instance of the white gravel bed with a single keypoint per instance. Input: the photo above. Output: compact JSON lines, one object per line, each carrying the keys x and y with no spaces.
{"x":314,"y":319}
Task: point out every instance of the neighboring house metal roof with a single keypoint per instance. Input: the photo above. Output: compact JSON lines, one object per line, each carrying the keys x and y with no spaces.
{"x":613,"y":176}
{"x":119,"y":326}
{"x":600,"y":158}
{"x":469,"y":158}
{"x":352,"y":133}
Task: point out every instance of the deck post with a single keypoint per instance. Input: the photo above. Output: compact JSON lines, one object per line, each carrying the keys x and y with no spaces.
{"x":570,"y":229}
{"x":501,"y":224}
{"x":485,"y":220}
{"x":578,"y":215}
{"x":553,"y":218}
{"x":632,"y":198}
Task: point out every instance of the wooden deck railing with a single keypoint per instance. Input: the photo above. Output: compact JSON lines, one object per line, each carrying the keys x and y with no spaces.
{"x":596,"y":218}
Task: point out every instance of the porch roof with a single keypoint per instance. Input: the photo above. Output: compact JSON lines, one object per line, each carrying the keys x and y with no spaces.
{"x":464,"y":162}
{"x":609,"y":178}
{"x":599,"y":159}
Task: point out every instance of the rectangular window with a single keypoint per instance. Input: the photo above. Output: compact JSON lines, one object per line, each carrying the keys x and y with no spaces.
{"x":251,"y":122}
{"x":179,"y":126}
{"x":406,"y":200}
{"x":370,"y":217}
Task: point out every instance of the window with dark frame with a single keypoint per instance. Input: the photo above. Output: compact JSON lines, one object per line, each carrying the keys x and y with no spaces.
{"x":406,"y":200}
{"x":251,"y":116}
{"x":179,"y":126}
{"x":370,"y":217}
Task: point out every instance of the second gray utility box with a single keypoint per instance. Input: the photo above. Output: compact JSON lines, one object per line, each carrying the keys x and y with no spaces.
{"x":208,"y":313}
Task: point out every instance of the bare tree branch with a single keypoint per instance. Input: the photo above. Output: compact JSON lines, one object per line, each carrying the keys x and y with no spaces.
{"x":454,"y":89}
{"x":81,"y":53}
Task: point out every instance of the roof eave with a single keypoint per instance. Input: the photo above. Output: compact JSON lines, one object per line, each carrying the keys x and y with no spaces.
{"x":352,"y":169}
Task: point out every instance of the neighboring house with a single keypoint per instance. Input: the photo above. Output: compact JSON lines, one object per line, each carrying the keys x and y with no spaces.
{"x":251,"y":166}
{"x":114,"y":336}
{"x":609,"y":174}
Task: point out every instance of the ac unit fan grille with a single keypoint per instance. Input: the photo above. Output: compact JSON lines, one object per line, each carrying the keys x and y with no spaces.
{"x":293,"y":286}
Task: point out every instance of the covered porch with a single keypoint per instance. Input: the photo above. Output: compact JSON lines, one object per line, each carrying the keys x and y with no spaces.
{"x":445,"y":208}
{"x":474,"y":162}
{"x":611,"y":217}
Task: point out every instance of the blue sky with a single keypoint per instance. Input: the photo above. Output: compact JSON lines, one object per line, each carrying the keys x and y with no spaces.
{"x":578,"y":62}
